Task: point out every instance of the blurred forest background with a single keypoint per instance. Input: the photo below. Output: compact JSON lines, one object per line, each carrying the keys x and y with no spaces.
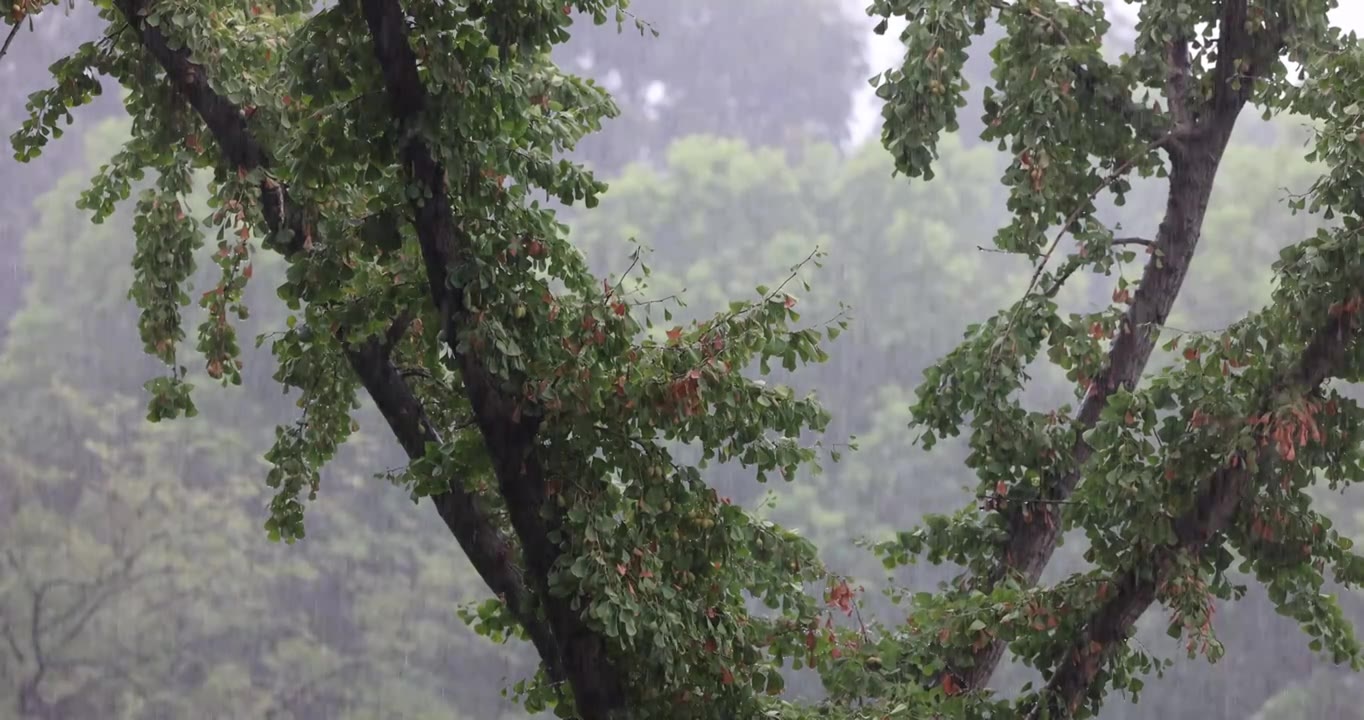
{"x":135,"y":578}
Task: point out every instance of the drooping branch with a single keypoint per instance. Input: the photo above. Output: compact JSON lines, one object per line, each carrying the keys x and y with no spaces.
{"x":488,"y":548}
{"x":1194,"y":160}
{"x":1135,"y":588}
{"x":227,"y":123}
{"x":508,"y":434}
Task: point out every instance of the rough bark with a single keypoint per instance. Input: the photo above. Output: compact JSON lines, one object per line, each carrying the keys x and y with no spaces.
{"x":489,"y":551}
{"x":1195,"y":145}
{"x":509,"y":435}
{"x":1135,"y":588}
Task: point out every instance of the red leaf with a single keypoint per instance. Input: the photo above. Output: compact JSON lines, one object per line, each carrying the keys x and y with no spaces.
{"x":622,"y":569}
{"x":726,"y":677}
{"x":675,"y":335}
{"x":949,"y":684}
{"x":840,"y":596}
{"x":790,"y":302}
{"x":1190,"y":353}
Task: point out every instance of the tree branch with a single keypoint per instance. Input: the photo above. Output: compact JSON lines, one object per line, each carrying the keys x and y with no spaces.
{"x":227,"y":122}
{"x":8,"y":633}
{"x":488,"y":549}
{"x":14,"y":31}
{"x":1110,"y":626}
{"x":1177,"y":82}
{"x":1194,"y":159}
{"x":1134,"y":241}
{"x":508,"y":435}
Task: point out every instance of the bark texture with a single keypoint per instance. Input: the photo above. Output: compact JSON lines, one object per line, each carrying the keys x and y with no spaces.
{"x":1195,"y":140}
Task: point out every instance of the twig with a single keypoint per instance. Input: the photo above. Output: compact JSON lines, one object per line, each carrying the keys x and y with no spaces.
{"x":634,"y":260}
{"x":1070,"y":220}
{"x":1000,"y":251}
{"x":8,"y":634}
{"x":861,"y":625}
{"x":10,"y":38}
{"x":1134,"y":241}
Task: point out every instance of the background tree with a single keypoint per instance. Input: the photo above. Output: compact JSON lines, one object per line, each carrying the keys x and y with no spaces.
{"x":23,"y":70}
{"x":666,"y":89}
{"x":1323,"y":695}
{"x":143,"y":542}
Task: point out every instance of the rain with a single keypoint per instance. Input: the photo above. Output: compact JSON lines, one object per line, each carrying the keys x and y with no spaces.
{"x":139,"y":578}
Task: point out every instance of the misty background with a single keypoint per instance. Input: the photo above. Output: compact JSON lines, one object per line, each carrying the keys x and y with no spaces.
{"x":136,"y":580}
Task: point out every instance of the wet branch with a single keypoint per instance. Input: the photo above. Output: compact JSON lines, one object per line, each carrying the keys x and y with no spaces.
{"x":1194,"y":159}
{"x":1222,"y":493}
{"x":509,"y":436}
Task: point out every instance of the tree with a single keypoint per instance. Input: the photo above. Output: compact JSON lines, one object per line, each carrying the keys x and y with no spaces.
{"x":741,"y":86}
{"x":372,"y":145}
{"x":905,"y":257}
{"x":1323,"y":695}
{"x":1217,"y":427}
